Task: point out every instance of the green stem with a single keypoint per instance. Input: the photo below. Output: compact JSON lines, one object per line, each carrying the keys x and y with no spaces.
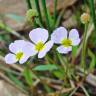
{"x":55,"y":12}
{"x":59,"y":18}
{"x":35,"y":25}
{"x":92,"y":11}
{"x":46,"y":14}
{"x":84,"y":48}
{"x":67,"y":66}
{"x":63,"y":63}
{"x":29,"y":4}
{"x":38,"y":10}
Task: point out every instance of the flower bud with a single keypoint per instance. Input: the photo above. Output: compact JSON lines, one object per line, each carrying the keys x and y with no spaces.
{"x":31,"y":13}
{"x":85,"y":18}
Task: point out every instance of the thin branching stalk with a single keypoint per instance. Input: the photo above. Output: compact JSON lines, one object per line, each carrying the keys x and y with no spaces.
{"x":38,"y":10}
{"x":29,"y":4}
{"x":46,"y":14}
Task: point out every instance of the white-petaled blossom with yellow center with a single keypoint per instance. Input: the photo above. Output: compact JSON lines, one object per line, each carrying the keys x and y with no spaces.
{"x":19,"y":52}
{"x":39,"y":36}
{"x":60,"y":36}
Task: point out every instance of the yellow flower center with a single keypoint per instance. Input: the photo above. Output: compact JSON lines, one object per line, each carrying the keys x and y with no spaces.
{"x":39,"y":46}
{"x":66,"y":42}
{"x":19,"y":55}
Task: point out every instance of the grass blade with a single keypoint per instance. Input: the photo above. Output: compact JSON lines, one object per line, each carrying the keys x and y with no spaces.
{"x":92,"y":11}
{"x":29,"y":4}
{"x":38,"y":10}
{"x":46,"y":14}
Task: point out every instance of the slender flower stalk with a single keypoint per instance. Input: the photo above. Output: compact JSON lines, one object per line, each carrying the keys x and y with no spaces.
{"x":84,"y":19}
{"x":84,"y":48}
{"x":38,"y":10}
{"x":46,"y":14}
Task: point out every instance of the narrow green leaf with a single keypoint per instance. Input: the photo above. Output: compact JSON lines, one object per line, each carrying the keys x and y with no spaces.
{"x":28,"y":76}
{"x":59,"y":73}
{"x":48,"y":67}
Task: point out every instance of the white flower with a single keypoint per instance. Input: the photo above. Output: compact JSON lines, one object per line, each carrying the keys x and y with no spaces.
{"x":39,"y":36}
{"x":21,"y":51}
{"x":60,"y":36}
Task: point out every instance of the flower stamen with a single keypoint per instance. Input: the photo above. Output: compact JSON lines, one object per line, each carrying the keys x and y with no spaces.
{"x":39,"y":46}
{"x":66,"y":42}
{"x":19,"y":55}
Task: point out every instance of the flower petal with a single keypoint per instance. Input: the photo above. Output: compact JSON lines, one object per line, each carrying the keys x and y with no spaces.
{"x":73,"y":34}
{"x":17,"y":46}
{"x":59,"y":34}
{"x":38,"y":34}
{"x":10,"y":58}
{"x":29,"y":50}
{"x":47,"y":48}
{"x":64,"y":50}
{"x":75,"y":42}
{"x":23,"y":59}
{"x":74,"y":37}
